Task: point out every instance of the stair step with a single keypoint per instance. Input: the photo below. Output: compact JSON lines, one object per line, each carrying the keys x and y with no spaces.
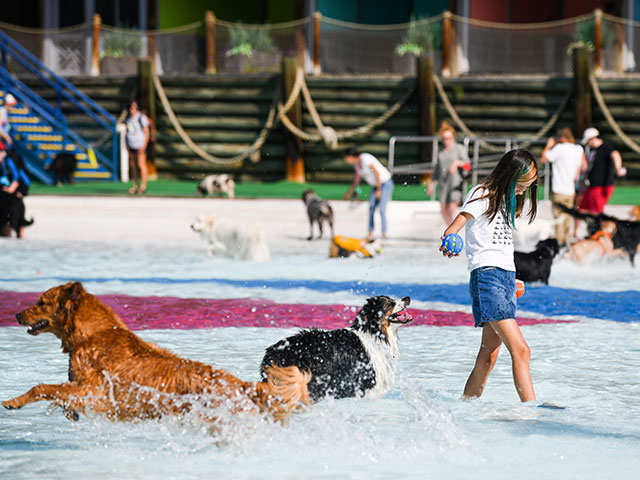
{"x":33,"y":128}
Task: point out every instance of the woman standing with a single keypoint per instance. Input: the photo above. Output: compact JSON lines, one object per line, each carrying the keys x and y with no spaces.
{"x":451,"y":157}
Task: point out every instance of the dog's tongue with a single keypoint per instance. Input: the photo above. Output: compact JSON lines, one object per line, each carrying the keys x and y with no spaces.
{"x":403,"y":317}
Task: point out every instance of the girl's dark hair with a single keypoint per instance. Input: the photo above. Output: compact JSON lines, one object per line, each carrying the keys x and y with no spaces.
{"x":501,"y":183}
{"x":351,"y":152}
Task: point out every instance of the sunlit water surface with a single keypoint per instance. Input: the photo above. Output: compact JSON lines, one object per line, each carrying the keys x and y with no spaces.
{"x":421,"y":428}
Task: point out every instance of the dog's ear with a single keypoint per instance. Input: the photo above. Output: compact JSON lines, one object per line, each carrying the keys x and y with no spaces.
{"x":71,"y":294}
{"x":371,"y":317}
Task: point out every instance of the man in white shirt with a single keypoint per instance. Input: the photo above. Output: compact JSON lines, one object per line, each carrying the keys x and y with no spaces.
{"x":375,"y":174}
{"x":568,"y":161}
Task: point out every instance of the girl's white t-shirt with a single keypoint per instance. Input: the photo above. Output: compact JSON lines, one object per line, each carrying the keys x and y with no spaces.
{"x":488,"y":244}
{"x":365,"y":172}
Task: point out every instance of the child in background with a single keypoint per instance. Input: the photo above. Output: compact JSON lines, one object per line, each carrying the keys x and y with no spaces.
{"x":488,"y":213}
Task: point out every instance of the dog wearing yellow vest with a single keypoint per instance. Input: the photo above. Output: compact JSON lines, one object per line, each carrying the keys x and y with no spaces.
{"x":342,"y":247}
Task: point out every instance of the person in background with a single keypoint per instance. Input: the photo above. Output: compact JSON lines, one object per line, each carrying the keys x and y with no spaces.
{"x":488,"y":215}
{"x":137,"y":139}
{"x":605,"y":164}
{"x":5,"y":125}
{"x":452,"y":157}
{"x":14,"y":186}
{"x":568,"y":162}
{"x":375,"y":174}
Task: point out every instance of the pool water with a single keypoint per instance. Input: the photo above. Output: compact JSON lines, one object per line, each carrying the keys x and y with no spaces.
{"x":589,"y":364}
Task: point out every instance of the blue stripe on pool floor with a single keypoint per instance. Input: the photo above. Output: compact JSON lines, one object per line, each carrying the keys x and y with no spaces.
{"x":622,"y":306}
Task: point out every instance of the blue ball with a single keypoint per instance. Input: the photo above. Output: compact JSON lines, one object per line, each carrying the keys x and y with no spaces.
{"x":453,"y":243}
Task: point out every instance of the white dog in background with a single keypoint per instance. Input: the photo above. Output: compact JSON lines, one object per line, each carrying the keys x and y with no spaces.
{"x":244,"y":241}
{"x":217,"y":185}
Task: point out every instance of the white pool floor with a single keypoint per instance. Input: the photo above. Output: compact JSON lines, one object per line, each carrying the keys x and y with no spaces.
{"x":143,"y":247}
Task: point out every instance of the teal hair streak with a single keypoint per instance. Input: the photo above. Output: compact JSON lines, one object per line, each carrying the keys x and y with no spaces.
{"x":512,"y":193}
{"x":512,"y":202}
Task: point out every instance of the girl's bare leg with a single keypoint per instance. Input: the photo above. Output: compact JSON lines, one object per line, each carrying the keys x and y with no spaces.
{"x":510,"y":334}
{"x":486,"y":359}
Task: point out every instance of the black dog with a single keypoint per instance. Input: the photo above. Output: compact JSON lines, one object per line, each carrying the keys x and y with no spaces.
{"x":350,"y":362}
{"x":318,"y":211}
{"x":627,"y":234}
{"x":536,"y":265}
{"x":64,"y":166}
{"x":12,"y":212}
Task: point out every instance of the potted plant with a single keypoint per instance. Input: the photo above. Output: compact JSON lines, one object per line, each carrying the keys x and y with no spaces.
{"x":585,"y":33}
{"x":120,"y":51}
{"x":251,"y":50}
{"x":422,"y":37}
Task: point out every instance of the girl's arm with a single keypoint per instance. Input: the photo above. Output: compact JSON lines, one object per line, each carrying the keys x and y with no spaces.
{"x":455,"y":227}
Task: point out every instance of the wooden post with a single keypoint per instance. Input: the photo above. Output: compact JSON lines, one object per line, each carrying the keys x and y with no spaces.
{"x":293,"y":146}
{"x":446,"y":43}
{"x":597,"y":41}
{"x":152,"y":25}
{"x":95,"y":46}
{"x":426,"y":107}
{"x":317,"y":18}
{"x":581,"y":89}
{"x":619,"y":48}
{"x":210,"y":46}
{"x":147,"y":103}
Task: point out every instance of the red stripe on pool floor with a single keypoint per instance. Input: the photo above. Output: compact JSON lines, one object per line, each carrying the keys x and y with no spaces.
{"x":142,"y":313}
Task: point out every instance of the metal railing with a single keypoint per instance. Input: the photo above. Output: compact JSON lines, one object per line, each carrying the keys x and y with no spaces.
{"x":417,"y":168}
{"x":16,"y":59}
{"x":486,"y":152}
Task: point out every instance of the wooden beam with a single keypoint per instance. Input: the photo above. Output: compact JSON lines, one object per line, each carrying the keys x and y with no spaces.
{"x":210,"y":42}
{"x":597,"y":41}
{"x":317,"y":19}
{"x":581,"y":90}
{"x":95,"y":46}
{"x":446,"y":44}
{"x":293,"y":145}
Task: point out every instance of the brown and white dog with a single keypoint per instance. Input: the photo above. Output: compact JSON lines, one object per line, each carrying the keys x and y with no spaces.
{"x":598,"y":245}
{"x":217,"y":185}
{"x":114,"y":372}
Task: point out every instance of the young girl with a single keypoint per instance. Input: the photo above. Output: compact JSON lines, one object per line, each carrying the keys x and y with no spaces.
{"x":489,"y":212}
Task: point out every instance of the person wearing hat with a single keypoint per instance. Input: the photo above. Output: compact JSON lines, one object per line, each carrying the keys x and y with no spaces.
{"x":5,"y":127}
{"x":605,"y":164}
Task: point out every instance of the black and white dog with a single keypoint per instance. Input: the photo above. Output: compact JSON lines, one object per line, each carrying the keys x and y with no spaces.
{"x":318,"y":211}
{"x":217,"y":185}
{"x":536,"y":266}
{"x":350,"y":362}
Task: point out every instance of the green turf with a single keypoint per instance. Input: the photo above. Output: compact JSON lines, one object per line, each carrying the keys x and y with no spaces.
{"x":623,"y":195}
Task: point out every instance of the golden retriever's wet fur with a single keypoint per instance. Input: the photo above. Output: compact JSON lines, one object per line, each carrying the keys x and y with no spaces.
{"x":114,"y":372}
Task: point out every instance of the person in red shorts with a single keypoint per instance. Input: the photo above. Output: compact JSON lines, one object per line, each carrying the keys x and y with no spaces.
{"x":605,"y":163}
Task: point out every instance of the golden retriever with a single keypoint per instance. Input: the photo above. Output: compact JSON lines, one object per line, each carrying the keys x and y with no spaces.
{"x":114,"y":372}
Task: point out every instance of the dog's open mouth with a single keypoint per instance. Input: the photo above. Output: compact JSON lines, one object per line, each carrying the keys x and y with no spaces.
{"x":401,"y":317}
{"x":35,"y":328}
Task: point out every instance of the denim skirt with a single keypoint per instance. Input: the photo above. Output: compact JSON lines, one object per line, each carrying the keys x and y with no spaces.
{"x":493,"y":294}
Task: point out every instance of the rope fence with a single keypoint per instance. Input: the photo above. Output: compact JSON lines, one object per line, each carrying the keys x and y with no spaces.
{"x":458,"y":46}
